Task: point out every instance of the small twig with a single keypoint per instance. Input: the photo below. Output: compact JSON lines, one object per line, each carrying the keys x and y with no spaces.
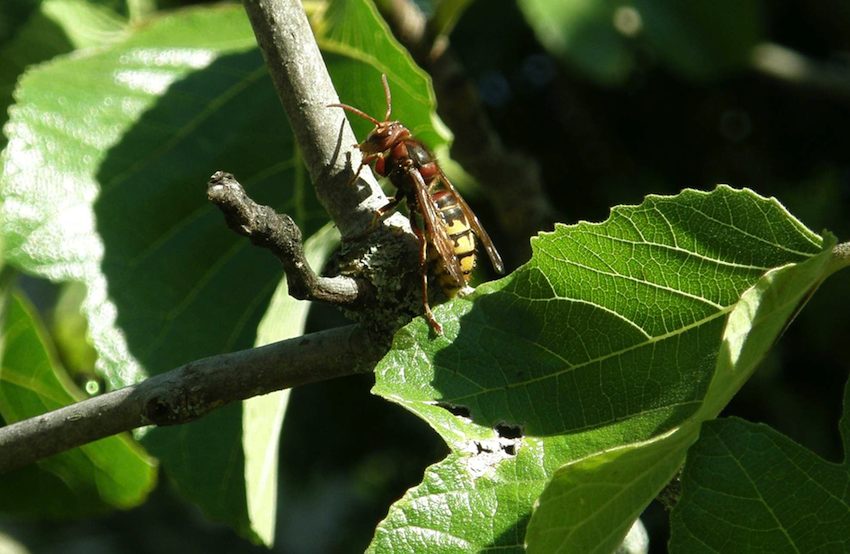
{"x":514,"y":180}
{"x":190,"y":391}
{"x":279,"y":233}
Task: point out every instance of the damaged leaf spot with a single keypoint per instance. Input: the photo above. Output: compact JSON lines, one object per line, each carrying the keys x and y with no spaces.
{"x":460,"y":411}
{"x":507,"y":431}
{"x":486,"y":454}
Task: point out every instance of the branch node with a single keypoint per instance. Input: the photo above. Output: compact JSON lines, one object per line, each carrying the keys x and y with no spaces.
{"x":280,"y":234}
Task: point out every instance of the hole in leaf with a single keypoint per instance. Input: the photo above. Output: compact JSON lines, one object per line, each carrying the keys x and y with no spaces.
{"x":460,"y":411}
{"x":502,"y":446}
{"x":509,"y":431}
{"x":489,"y":453}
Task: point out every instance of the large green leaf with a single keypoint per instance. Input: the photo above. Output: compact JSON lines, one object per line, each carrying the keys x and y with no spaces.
{"x":751,"y":329}
{"x":49,"y":28}
{"x":109,"y":473}
{"x":612,"y":337}
{"x":748,"y":488}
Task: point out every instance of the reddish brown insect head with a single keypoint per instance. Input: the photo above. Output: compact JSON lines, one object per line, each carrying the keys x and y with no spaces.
{"x":386,"y":133}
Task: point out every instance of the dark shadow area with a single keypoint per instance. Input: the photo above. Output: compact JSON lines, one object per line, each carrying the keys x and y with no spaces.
{"x":163,"y":524}
{"x":346,"y":456}
{"x":509,"y":431}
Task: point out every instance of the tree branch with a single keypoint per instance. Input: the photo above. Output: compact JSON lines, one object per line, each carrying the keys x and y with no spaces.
{"x":189,"y":392}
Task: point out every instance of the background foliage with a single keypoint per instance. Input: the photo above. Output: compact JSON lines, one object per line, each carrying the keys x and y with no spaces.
{"x":611,"y":107}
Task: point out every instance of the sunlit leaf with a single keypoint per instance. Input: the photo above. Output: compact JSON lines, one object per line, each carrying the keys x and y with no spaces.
{"x":358,"y":47}
{"x":636,"y":473}
{"x":50,"y":28}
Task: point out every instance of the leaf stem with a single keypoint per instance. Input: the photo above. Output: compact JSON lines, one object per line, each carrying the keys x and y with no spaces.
{"x":841,"y":256}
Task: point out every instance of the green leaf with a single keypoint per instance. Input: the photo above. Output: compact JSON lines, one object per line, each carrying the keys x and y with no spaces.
{"x":110,"y":473}
{"x":51,"y":28}
{"x":698,"y":40}
{"x":581,"y":32}
{"x":617,"y":483}
{"x":703,"y":40}
{"x":121,"y":207}
{"x":613,"y":336}
{"x":262,"y":420}
{"x":262,"y":416}
{"x":751,"y":329}
{"x":358,"y":47}
{"x":749,"y":488}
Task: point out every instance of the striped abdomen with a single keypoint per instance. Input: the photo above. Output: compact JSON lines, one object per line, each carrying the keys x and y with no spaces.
{"x":459,"y":231}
